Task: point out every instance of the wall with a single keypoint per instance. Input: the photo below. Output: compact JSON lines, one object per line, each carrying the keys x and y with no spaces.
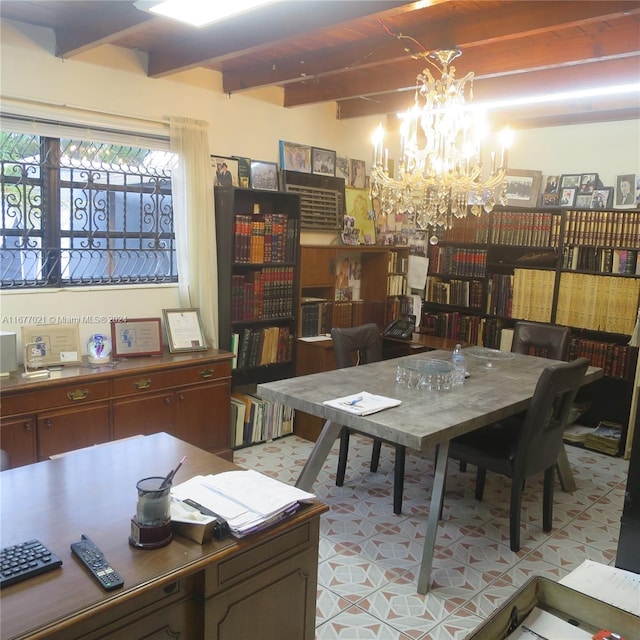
{"x":114,"y":80}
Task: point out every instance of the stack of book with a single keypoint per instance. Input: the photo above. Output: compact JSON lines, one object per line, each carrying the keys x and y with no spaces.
{"x":254,"y":419}
{"x":606,"y":438}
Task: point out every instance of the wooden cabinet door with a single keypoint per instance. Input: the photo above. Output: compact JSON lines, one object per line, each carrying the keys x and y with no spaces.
{"x":18,"y":439}
{"x":144,"y":415}
{"x":317,"y":267}
{"x":72,"y":428}
{"x":203,"y":416}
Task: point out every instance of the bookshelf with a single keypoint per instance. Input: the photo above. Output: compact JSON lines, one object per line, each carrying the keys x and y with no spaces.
{"x":572,"y":267}
{"x":258,"y":244}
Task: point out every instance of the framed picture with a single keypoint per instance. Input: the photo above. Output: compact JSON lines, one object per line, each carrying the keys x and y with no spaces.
{"x":588,"y":182}
{"x":583,"y":201}
{"x":295,"y":157}
{"x":552,"y":184}
{"x":550,"y":199}
{"x":359,"y":219}
{"x":264,"y":175}
{"x":342,"y":167}
{"x":226,"y":171}
{"x":568,"y":197}
{"x":625,"y":191}
{"x":570,"y":181}
{"x":602,"y":198}
{"x":51,"y":344}
{"x":522,"y":187}
{"x":323,"y":161}
{"x":244,"y":171}
{"x":357,"y":174}
{"x":136,"y":337}
{"x":184,"y":330}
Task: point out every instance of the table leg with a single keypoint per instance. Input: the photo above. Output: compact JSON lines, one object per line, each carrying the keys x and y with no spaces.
{"x":437,"y":492}
{"x":319,"y":453}
{"x":565,"y":474}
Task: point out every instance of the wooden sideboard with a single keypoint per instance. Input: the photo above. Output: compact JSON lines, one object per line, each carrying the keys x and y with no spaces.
{"x":261,"y":586}
{"x":187,"y":395}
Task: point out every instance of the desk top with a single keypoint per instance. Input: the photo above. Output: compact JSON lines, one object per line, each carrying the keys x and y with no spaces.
{"x":425,"y":418}
{"x":93,"y":491}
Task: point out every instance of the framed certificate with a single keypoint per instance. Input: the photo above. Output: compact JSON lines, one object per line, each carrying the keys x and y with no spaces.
{"x":184,"y":330}
{"x":51,"y":344}
{"x":137,"y":337}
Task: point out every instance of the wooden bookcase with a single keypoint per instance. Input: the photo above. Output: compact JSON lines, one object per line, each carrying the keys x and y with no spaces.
{"x":258,"y":240}
{"x":579,"y":268}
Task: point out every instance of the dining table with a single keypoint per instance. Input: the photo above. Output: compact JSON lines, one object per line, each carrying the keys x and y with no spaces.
{"x":497,"y":387}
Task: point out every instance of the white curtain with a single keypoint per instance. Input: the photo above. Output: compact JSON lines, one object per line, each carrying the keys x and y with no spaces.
{"x":194,"y":220}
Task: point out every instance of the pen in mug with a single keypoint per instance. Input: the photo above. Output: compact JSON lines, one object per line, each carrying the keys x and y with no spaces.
{"x":169,"y":477}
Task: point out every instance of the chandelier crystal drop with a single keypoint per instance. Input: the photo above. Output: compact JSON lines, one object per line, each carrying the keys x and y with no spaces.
{"x":440,"y":168}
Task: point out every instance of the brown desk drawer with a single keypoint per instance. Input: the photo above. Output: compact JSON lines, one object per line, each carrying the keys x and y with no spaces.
{"x":18,"y":403}
{"x":171,"y":378}
{"x":72,"y":394}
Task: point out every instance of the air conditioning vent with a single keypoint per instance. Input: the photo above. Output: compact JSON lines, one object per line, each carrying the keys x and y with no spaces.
{"x":321,"y":199}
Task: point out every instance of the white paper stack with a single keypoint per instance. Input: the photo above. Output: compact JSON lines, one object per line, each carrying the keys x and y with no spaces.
{"x":363,"y":403}
{"x":247,"y":500}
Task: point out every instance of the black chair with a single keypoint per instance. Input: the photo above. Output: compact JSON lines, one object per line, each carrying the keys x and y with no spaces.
{"x":526,"y":444}
{"x":354,"y":346}
{"x":543,"y":340}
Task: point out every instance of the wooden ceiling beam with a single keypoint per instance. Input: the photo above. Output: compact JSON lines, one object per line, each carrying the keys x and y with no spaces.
{"x":494,"y":24}
{"x":617,"y":38}
{"x":600,"y":73}
{"x":264,"y":27}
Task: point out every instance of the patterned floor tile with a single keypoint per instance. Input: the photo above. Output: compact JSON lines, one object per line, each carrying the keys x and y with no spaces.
{"x":356,"y":624}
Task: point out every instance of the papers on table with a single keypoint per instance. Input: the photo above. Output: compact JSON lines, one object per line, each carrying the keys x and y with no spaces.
{"x":614,"y":586}
{"x":542,"y":624}
{"x":363,"y":403}
{"x":247,"y":500}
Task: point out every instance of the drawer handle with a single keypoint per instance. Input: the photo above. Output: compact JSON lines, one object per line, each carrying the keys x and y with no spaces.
{"x":78,"y":394}
{"x":144,"y":383}
{"x":207,"y":373}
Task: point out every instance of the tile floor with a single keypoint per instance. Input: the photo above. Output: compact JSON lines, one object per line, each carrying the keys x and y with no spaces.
{"x":369,"y":557}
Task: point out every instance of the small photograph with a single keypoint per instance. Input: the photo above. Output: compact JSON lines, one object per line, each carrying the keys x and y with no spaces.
{"x":264,"y":175}
{"x":342,"y":167}
{"x":357,"y":174}
{"x":226,"y":171}
{"x":552,"y":184}
{"x":625,"y":196}
{"x":244,"y":171}
{"x":601,"y":198}
{"x":550,"y":199}
{"x":295,"y":157}
{"x":568,"y":197}
{"x":570,"y":181}
{"x":323,"y":161}
{"x":588,"y":182}
{"x":583,"y":201}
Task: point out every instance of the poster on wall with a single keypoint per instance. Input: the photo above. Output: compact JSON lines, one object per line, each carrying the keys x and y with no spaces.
{"x":359,"y":220}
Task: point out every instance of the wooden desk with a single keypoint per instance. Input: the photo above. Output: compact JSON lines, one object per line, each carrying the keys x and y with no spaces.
{"x":263,"y":586}
{"x":424,"y":419}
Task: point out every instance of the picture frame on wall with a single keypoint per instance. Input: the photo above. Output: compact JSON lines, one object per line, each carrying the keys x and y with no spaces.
{"x":264,"y":175}
{"x":184,"y":330}
{"x":342,"y":167}
{"x":552,"y":184}
{"x":244,"y":171}
{"x":570,"y":181}
{"x":226,"y":171}
{"x":295,"y":157}
{"x":583,"y":201}
{"x":357,"y":173}
{"x":550,"y":199}
{"x":588,"y":182}
{"x":522,"y":187}
{"x":602,"y":198}
{"x":323,"y":161}
{"x":136,"y":337}
{"x":625,"y":197}
{"x":568,"y":196}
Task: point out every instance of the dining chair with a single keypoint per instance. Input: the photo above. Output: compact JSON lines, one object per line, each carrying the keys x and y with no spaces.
{"x":354,"y":346}
{"x":527,"y":444}
{"x":541,"y":339}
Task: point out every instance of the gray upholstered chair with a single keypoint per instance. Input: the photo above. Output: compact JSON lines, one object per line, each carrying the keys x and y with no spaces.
{"x":540,"y":339}
{"x":526,"y":444}
{"x":355,"y":346}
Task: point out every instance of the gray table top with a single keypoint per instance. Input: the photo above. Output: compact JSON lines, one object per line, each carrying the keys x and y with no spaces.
{"x":425,"y":418}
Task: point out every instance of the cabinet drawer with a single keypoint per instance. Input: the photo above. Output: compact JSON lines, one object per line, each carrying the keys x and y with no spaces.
{"x":170,"y":378}
{"x":18,"y":403}
{"x":73,"y":394}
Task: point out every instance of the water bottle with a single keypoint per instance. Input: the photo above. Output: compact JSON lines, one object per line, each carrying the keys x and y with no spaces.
{"x":457,"y":358}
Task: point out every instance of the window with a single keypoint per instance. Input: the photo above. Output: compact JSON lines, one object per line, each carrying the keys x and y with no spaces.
{"x":78,"y":212}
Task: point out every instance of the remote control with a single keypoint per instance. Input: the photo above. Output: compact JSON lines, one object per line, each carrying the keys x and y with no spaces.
{"x":97,"y":564}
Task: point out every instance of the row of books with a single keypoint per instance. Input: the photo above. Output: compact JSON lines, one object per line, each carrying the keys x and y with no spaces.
{"x":612,"y":228}
{"x":617,"y":360}
{"x":264,"y":238}
{"x":532,"y":297}
{"x":397,"y":262}
{"x":531,"y":228}
{"x":462,"y":293}
{"x":396,"y":285}
{"x":317,"y":318}
{"x":398,"y":306}
{"x":254,"y":419}
{"x":500,"y":295}
{"x":263,"y":294}
{"x":600,"y":303}
{"x":604,"y":260}
{"x":453,"y":325}
{"x":257,"y":346}
{"x":469,"y":230}
{"x":458,"y":261}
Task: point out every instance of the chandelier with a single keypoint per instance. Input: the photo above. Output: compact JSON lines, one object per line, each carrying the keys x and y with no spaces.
{"x":440,"y":169}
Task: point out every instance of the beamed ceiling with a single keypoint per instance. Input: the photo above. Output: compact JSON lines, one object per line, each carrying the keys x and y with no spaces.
{"x":348,"y":51}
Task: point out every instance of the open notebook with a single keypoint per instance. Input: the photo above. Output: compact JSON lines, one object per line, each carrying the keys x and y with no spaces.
{"x":362,"y":403}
